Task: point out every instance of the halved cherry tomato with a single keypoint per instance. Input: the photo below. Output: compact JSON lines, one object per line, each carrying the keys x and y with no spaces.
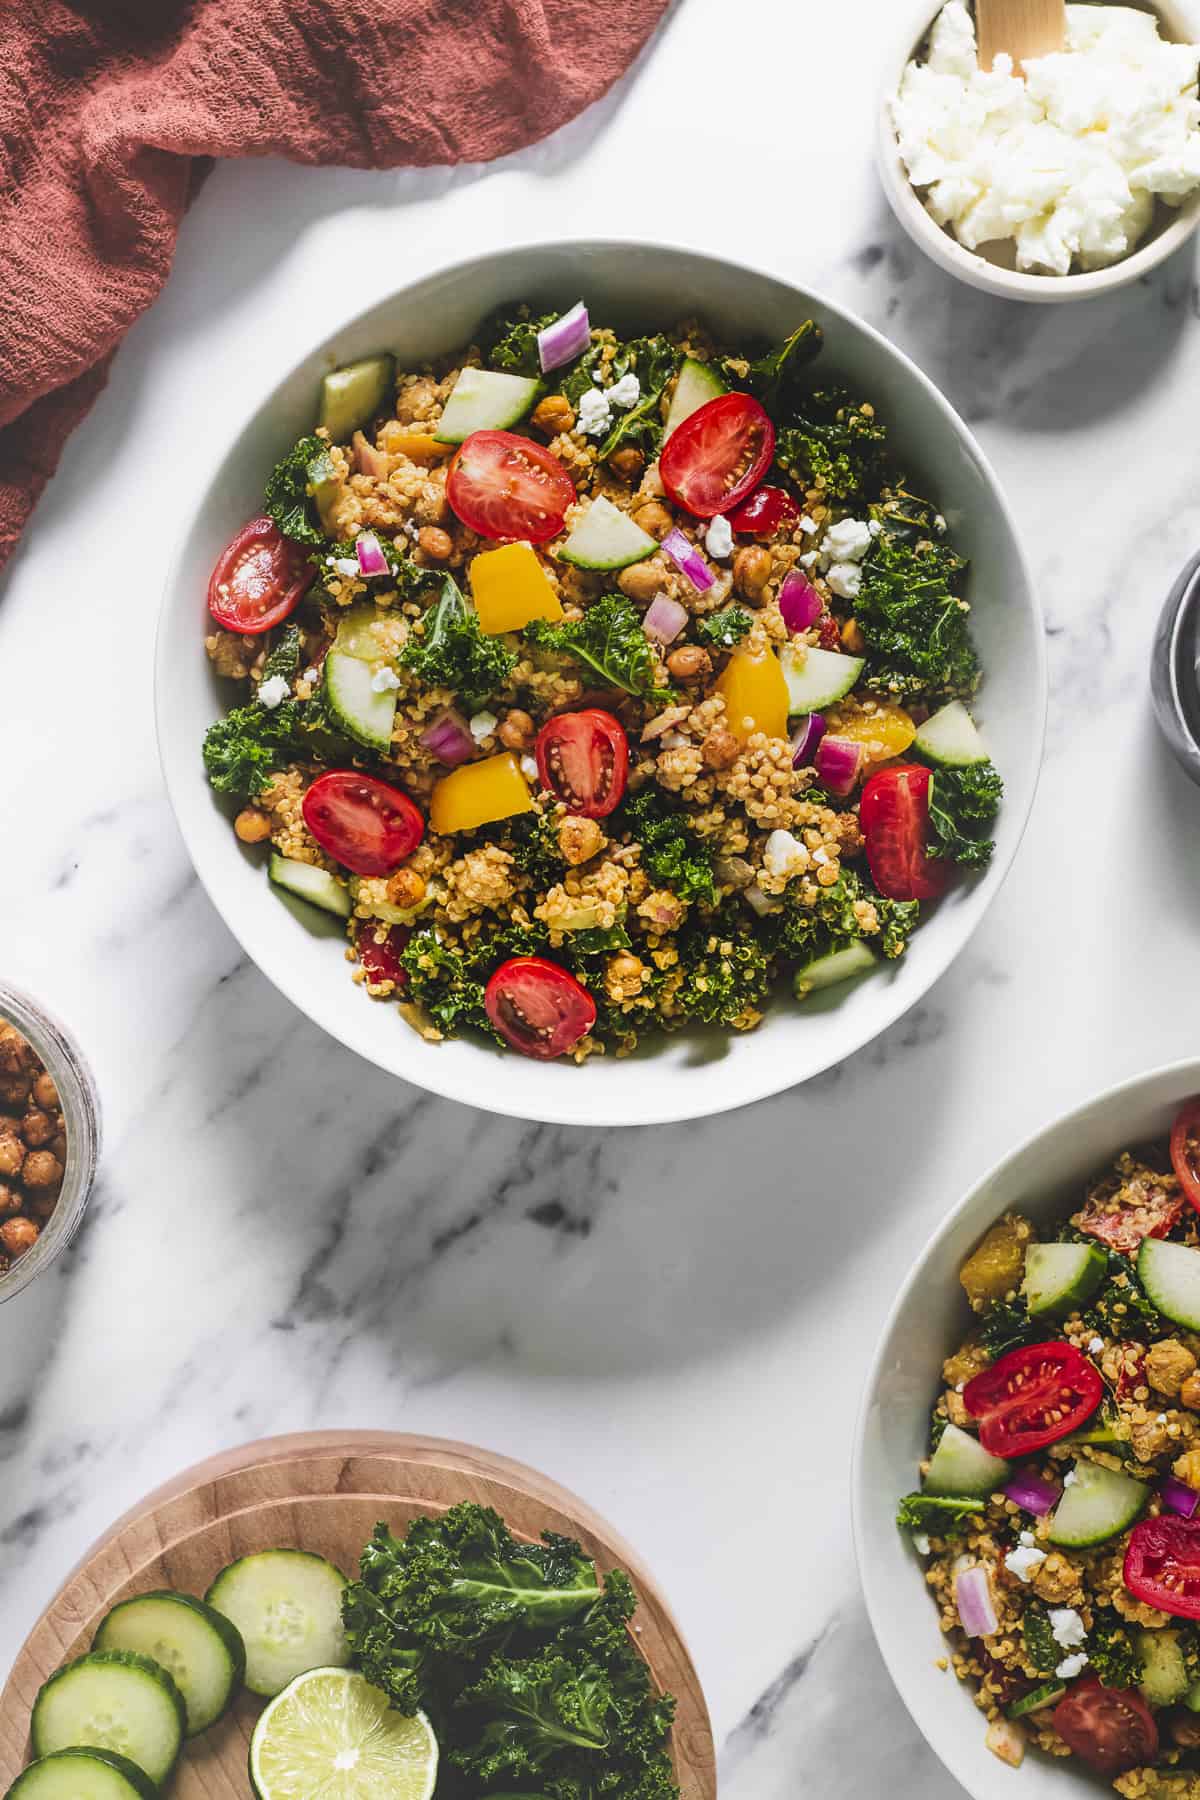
{"x":894,"y":815}
{"x":765,"y":511}
{"x":1147,"y":1209}
{"x":537,"y":1007}
{"x":1112,"y":1729}
{"x":1162,"y":1565}
{"x":381,"y":960}
{"x":583,"y":757}
{"x":1032,"y":1397}
{"x":829,"y":633}
{"x":362,"y":823}
{"x":1185,"y":1151}
{"x":259,"y":579}
{"x":718,"y":455}
{"x":505,"y":486}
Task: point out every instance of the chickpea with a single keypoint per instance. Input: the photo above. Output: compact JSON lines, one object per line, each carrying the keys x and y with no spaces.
{"x":435,"y":543}
{"x":252,"y":825}
{"x":12,"y":1152}
{"x":654,"y":518}
{"x":643,"y":580}
{"x":432,"y":506}
{"x":58,"y":1145}
{"x":42,"y":1169}
{"x":516,"y":729}
{"x":37,"y":1128}
{"x":689,"y":662}
{"x":628,"y":463}
{"x":45,"y":1092}
{"x":14,"y":1090}
{"x":624,"y":975}
{"x":406,"y":888}
{"x":719,"y":749}
{"x":42,"y":1206}
{"x":15,"y":1053}
{"x":1189,"y":1393}
{"x":751,"y":572}
{"x":1186,"y":1732}
{"x":10,"y":1200}
{"x":18,"y":1235}
{"x":553,"y":415}
{"x":578,"y":839}
{"x":852,"y":638}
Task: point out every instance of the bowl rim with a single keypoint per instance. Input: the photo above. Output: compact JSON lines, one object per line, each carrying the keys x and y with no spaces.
{"x":1164,"y":1073}
{"x":576,"y":1105}
{"x":945,"y":250}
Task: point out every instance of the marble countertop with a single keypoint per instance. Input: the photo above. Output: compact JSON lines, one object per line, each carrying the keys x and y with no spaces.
{"x":675,"y":1322}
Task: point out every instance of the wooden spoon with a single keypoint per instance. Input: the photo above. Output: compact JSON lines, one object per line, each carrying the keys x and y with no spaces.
{"x":1021,"y":28}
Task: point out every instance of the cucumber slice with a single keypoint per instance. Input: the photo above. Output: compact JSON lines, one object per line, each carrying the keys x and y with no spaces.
{"x":353,"y":395}
{"x":362,"y":713}
{"x":394,"y":915}
{"x":201,"y":1651}
{"x":1164,"y":1671}
{"x":356,"y":635}
{"x":698,"y":382}
{"x":112,"y":1700}
{"x":485,"y":400}
{"x":961,"y":1465}
{"x":317,"y":886}
{"x":82,"y":1775}
{"x":287,"y":1604}
{"x":951,"y":738}
{"x":606,"y":538}
{"x":1098,"y":1504}
{"x":1061,"y":1277}
{"x":326,"y":489}
{"x":1170,"y":1274}
{"x":839,"y":965}
{"x":817,"y":678}
{"x":1049,"y":1694}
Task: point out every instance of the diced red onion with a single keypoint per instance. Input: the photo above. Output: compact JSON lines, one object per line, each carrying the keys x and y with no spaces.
{"x":805,"y":738}
{"x":973,"y":1597}
{"x":449,"y":738}
{"x":566,"y":339}
{"x":799,"y":601}
{"x":1032,"y":1494}
{"x":838,"y":761}
{"x":688,"y":561}
{"x":1177,"y":1498}
{"x":664,"y":619}
{"x":371,"y":560}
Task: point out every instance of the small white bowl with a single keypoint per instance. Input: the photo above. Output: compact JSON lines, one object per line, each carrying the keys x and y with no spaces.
{"x":1044,"y":1179}
{"x":992,"y":267}
{"x":689,"y":1075}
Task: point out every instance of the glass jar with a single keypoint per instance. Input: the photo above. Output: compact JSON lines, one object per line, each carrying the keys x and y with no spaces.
{"x":80,"y":1103}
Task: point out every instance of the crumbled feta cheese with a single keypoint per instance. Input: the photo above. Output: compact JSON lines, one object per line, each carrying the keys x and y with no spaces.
{"x":345,"y":565}
{"x":1067,"y":1627}
{"x":960,"y":1387}
{"x":807,"y":523}
{"x":1070,"y":1478}
{"x":1027,"y":1537}
{"x":808,"y":559}
{"x":312,"y":676}
{"x":821,"y":856}
{"x":1162,"y":1418}
{"x":921,"y":1543}
{"x":411,"y":529}
{"x":1022,"y":1561}
{"x":624,"y":393}
{"x":1070,"y":1666}
{"x":482,"y":725}
{"x":784,"y":855}
{"x":385,"y":681}
{"x":845,"y":579}
{"x":274,"y":691}
{"x":847,"y":541}
{"x":939,"y":524}
{"x":594,"y":414}
{"x":1095,"y":1346}
{"x":718,"y":539}
{"x":529,"y":768}
{"x":874,"y":527}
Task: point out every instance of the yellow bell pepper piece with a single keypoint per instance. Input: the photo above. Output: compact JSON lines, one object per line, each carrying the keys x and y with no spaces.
{"x":478,"y":793}
{"x":755,"y":694}
{"x":510,"y":587}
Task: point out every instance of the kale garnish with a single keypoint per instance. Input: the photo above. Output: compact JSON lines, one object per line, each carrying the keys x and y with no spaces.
{"x":672,"y":855}
{"x":772,"y":378}
{"x":439,"y":981}
{"x":509,"y":340}
{"x":941,"y":1514}
{"x":1005,"y":1325}
{"x":962,"y":804}
{"x":408,"y":578}
{"x":609,"y":641}
{"x":654,"y":361}
{"x":1111,"y":1654}
{"x":725,"y":970}
{"x":723,"y":629}
{"x":288,"y":500}
{"x":245,"y":748}
{"x":801,"y":933}
{"x":284,"y":659}
{"x":909,"y":607}
{"x":832,"y":443}
{"x":453,"y":650}
{"x":1041,"y":1645}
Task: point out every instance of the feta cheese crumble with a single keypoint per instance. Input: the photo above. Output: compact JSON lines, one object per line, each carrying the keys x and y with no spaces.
{"x":1070,"y":1666}
{"x":274,"y":691}
{"x":594,"y":415}
{"x":1070,"y":1478}
{"x":1022,"y":1561}
{"x":529,"y":768}
{"x":624,"y":393}
{"x":482,"y":726}
{"x":921,"y":1543}
{"x":385,"y":681}
{"x":1095,"y":1346}
{"x":844,"y":579}
{"x":847,"y":541}
{"x":718,"y":539}
{"x":345,"y":565}
{"x":784,"y":855}
{"x":1067,"y":1627}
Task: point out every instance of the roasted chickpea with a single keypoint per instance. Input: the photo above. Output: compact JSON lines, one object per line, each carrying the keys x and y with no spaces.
{"x":1189,"y":1393}
{"x":627,"y":464}
{"x":578,"y":839}
{"x":689,"y":662}
{"x":15,"y":1090}
{"x":252,"y":825}
{"x":719,"y":749}
{"x":406,"y":888}
{"x":42,"y":1204}
{"x":435,"y":544}
{"x":58,"y":1145}
{"x":45,"y":1092}
{"x":15,"y":1053}
{"x":37,"y":1128}
{"x":18,"y":1235}
{"x":1185,"y":1731}
{"x":516,"y":729}
{"x":42,"y":1169}
{"x":751,"y":572}
{"x":12,"y":1152}
{"x":654,"y":518}
{"x":852,"y":638}
{"x":643,"y":580}
{"x":553,"y":415}
{"x":10,"y":1200}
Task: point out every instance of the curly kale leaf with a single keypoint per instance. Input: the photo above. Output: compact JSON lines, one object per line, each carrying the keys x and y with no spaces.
{"x":722,"y":629}
{"x":1041,"y":1646}
{"x":940,"y":1514}
{"x":802,"y":933}
{"x":831,"y":442}
{"x":532,"y":842}
{"x":284,"y":659}
{"x":909,"y":607}
{"x":288,"y":498}
{"x":1111,"y":1653}
{"x":1122,"y":1290}
{"x":453,"y":651}
{"x":962,"y":804}
{"x":577,"y":378}
{"x":772,"y":378}
{"x":244,"y":749}
{"x":1004,"y":1326}
{"x":440,"y":981}
{"x":609,"y":641}
{"x":726,"y":971}
{"x":671,"y":853}
{"x":509,"y":340}
{"x":654,"y":361}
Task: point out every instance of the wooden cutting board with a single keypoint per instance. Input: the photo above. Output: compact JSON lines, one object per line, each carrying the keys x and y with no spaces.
{"x":324,"y":1491}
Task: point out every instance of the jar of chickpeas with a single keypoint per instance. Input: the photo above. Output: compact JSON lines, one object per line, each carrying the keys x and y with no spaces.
{"x":49,"y":1139}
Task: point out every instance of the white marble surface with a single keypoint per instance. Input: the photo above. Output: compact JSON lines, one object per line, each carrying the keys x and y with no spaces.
{"x":675,"y":1322}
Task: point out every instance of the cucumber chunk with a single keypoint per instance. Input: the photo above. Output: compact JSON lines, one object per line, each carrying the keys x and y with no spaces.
{"x":1061,"y":1277}
{"x":951,"y":738}
{"x":287,"y":1604}
{"x":839,"y":965}
{"x":961,"y":1465}
{"x":1049,"y":1694}
{"x":485,"y":400}
{"x":356,"y":634}
{"x":698,"y":382}
{"x":326,"y":487}
{"x":1098,"y":1504}
{"x":110,"y":1700}
{"x":362,"y":713}
{"x":1192,"y":1698}
{"x":1164,"y":1671}
{"x":817,"y":678}
{"x":352,"y":396}
{"x":606,"y":538}
{"x":199,"y":1648}
{"x":78,"y":1774}
{"x":317,"y":886}
{"x":1170,"y":1274}
{"x":1106,"y":1431}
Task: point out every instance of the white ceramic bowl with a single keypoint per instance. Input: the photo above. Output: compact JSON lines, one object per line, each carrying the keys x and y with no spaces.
{"x":992,"y":268}
{"x":686,"y":1076}
{"x":1045,"y":1179}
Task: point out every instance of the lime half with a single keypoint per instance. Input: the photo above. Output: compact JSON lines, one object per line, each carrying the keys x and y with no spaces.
{"x":330,"y":1735}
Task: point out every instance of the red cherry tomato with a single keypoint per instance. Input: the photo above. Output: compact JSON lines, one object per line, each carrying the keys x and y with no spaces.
{"x":504,"y":486}
{"x":537,"y":1007}
{"x":718,"y":455}
{"x":1147,"y":1209}
{"x":829,"y":635}
{"x":259,"y":579}
{"x":765,"y":511}
{"x":1111,"y":1729}
{"x":1032,"y":1397}
{"x":362,"y":823}
{"x":381,"y":960}
{"x":894,"y":815}
{"x":583,"y":757}
{"x":1162,"y":1565}
{"x":1185,"y":1151}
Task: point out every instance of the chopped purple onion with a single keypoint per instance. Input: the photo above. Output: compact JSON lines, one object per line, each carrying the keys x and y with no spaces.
{"x":838,"y":762}
{"x":1177,"y":1497}
{"x":1031,"y":1493}
{"x":371,"y":560}
{"x":973,"y":1597}
{"x":807,"y":735}
{"x":664,"y":620}
{"x":688,"y":560}
{"x":449,"y":738}
{"x":565,"y":339}
{"x":799,"y":601}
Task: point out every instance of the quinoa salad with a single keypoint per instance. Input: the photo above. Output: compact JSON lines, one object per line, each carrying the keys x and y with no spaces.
{"x":1058,"y":1517}
{"x":601,"y":686}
